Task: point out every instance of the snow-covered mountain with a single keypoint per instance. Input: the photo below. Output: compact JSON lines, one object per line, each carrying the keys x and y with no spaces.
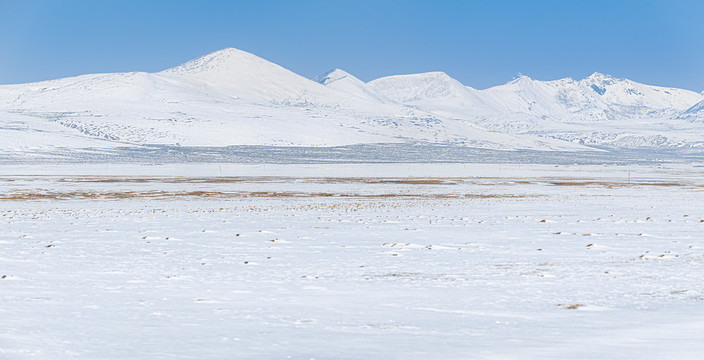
{"x":231,"y":97}
{"x":597,"y":110}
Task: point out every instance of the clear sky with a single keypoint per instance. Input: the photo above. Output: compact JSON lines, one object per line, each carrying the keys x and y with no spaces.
{"x":480,"y":43}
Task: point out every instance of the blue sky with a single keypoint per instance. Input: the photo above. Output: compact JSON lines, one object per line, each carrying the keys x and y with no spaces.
{"x":480,"y":43}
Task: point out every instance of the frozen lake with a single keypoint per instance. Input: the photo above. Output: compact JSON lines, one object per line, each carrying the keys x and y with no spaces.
{"x":405,"y":261}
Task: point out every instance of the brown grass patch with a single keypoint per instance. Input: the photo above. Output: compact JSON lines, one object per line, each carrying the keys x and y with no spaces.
{"x":570,"y":307}
{"x":260,"y":179}
{"x":613,"y":184}
{"x":609,"y":183}
{"x":155,"y":194}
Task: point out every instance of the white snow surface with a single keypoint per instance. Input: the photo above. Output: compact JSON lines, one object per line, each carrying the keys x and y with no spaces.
{"x":208,"y":261}
{"x":232,"y":97}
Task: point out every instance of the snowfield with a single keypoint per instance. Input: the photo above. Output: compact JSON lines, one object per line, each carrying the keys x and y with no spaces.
{"x":228,"y":208}
{"x":406,"y":261}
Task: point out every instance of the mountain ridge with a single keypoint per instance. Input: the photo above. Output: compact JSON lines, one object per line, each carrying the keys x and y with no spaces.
{"x":232,"y":97}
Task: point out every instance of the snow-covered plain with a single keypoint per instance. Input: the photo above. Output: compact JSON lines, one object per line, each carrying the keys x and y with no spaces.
{"x":405,"y":261}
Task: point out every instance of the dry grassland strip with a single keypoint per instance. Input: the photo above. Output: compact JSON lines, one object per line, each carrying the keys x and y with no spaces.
{"x":120,"y":195}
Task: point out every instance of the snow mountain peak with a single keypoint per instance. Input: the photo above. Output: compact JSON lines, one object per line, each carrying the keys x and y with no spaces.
{"x":332,"y":76}
{"x":438,"y":76}
{"x":599,"y":76}
{"x":521,"y":78}
{"x":695,"y":113}
{"x":226,"y":59}
{"x":240,"y":74}
{"x":416,"y":87}
{"x":601,"y":79}
{"x":345,"y":82}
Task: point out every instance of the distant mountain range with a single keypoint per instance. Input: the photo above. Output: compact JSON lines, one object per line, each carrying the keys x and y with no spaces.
{"x":231,"y":97}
